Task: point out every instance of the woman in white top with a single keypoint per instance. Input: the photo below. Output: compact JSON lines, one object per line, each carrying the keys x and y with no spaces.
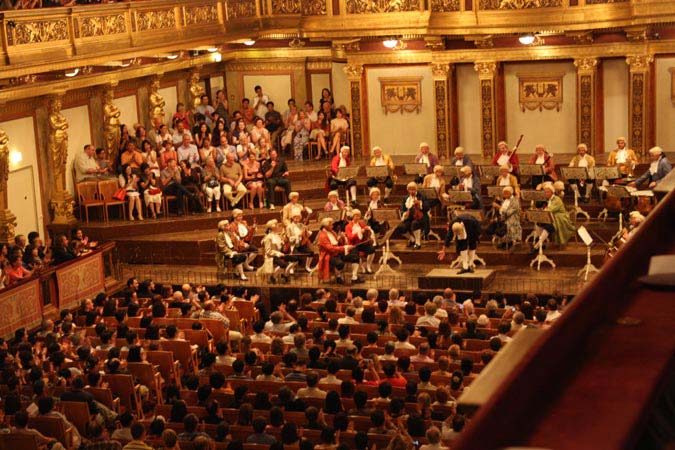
{"x":129,"y":182}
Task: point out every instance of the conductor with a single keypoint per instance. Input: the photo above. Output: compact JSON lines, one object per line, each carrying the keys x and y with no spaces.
{"x":466,"y":230}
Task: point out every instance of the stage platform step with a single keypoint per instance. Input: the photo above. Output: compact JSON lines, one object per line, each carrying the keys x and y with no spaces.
{"x":441,"y":278}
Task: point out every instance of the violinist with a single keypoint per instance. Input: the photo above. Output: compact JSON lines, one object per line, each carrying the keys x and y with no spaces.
{"x":427,"y":158}
{"x":635,"y":219}
{"x":504,"y":157}
{"x":659,"y":167}
{"x":582,"y":159}
{"x":225,"y":250}
{"x":244,"y":236}
{"x":339,"y":161}
{"x":622,"y":157}
{"x":561,"y":228}
{"x":414,"y":216}
{"x":470,"y":182}
{"x":299,"y":239}
{"x":282,"y":264}
{"x":333,"y":252}
{"x":293,"y":207}
{"x":505,"y":178}
{"x":335,"y":204}
{"x":465,"y":228}
{"x":380,"y":159}
{"x":379,"y":228}
{"x":360,"y":235}
{"x":435,"y":181}
{"x":543,"y":158}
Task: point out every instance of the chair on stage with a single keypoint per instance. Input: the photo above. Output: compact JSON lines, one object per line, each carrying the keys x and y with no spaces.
{"x":106,"y":190}
{"x":88,"y":197}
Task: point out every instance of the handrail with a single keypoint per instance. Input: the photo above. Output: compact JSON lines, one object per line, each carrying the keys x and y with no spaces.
{"x":511,"y":415}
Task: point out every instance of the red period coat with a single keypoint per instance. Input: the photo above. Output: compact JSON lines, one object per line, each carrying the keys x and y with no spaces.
{"x":326,"y":251}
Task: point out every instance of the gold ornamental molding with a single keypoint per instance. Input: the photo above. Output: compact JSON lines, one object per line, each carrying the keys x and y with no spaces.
{"x":486,"y":69}
{"x":382,"y":6}
{"x":286,"y":6}
{"x":440,"y":70}
{"x":441,"y":6}
{"x":639,"y":63}
{"x":39,"y":32}
{"x":353,"y":71}
{"x":585,"y":65}
{"x":241,"y":9}
{"x":264,"y":66}
{"x":155,"y":19}
{"x":199,"y":15}
{"x":319,"y":65}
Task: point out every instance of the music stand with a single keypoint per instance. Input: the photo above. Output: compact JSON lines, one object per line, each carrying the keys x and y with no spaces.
{"x":452,"y":171}
{"x":535,"y":216}
{"x":605,"y":174}
{"x":489,"y":171}
{"x":532,"y":170}
{"x":415,"y":169}
{"x":588,"y":240}
{"x":391,"y":216}
{"x":495,"y":192}
{"x":378,"y":172}
{"x":576,"y":173}
{"x":478,"y":214}
{"x":621,"y":192}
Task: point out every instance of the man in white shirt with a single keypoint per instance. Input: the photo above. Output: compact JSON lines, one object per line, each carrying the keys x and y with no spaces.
{"x":180,"y":133}
{"x":260,"y":102}
{"x":395,"y":299}
{"x":309,"y":111}
{"x":402,"y":340}
{"x":188,"y":152}
{"x":429,"y":319}
{"x":422,"y":355}
{"x":349,"y":318}
{"x":86,"y":166}
{"x":311,"y":391}
{"x":206,"y":110}
{"x":259,"y":335}
{"x":276,"y":323}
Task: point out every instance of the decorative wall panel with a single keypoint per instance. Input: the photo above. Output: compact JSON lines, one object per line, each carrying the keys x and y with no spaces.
{"x":240,"y":9}
{"x":519,"y":4}
{"x":314,"y":7}
{"x":199,"y":15}
{"x":40,"y":31}
{"x":381,"y":6}
{"x":155,"y":20}
{"x":444,"y":5}
{"x":102,"y":25}
{"x":286,"y":7}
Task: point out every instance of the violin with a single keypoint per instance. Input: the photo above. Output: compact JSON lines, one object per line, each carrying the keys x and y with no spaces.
{"x":250,"y":230}
{"x":417,"y":213}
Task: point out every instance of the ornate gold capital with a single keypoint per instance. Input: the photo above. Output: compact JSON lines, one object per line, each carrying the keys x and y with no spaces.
{"x":353,"y":71}
{"x":637,"y":34}
{"x":639,"y":63}
{"x":440,"y":70}
{"x":482,"y":41}
{"x":486,"y":69}
{"x":581,"y":37}
{"x":586,"y":64}
{"x":434,"y":43}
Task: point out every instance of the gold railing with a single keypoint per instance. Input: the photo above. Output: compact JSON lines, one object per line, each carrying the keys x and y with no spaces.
{"x":62,"y":36}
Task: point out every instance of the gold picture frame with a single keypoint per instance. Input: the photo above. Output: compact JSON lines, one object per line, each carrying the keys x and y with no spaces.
{"x":402,"y":94}
{"x":540,"y":91}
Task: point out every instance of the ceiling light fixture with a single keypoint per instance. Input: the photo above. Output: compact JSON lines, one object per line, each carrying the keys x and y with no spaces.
{"x":527,"y":39}
{"x":212,"y":49}
{"x":172,"y":57}
{"x":249,"y":42}
{"x":72,"y":73}
{"x":390,"y":43}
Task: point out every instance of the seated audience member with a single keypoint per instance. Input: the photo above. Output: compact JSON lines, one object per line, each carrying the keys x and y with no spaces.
{"x":60,"y":251}
{"x":259,"y":435}
{"x":311,"y":391}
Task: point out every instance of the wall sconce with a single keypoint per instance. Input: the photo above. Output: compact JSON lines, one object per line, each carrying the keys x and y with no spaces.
{"x":249,"y":42}
{"x":216,"y":57}
{"x":15,"y":158}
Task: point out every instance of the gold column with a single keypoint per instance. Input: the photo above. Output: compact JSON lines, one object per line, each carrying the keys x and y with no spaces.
{"x":7,"y":219}
{"x":355,"y":76}
{"x":638,"y":115}
{"x":586,"y":107}
{"x":440,"y":76}
{"x":61,"y":203}
{"x":487,"y":73}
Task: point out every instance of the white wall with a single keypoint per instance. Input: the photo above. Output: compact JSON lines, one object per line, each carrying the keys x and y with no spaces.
{"x":340,"y":85}
{"x":401,"y":133}
{"x":319,"y":81}
{"x":217,"y":83}
{"x":468,"y":108}
{"x":555,"y":129}
{"x":128,"y":110}
{"x":665,"y":110}
{"x":79,"y":135}
{"x":277,"y":87}
{"x":170,"y":95}
{"x":23,"y":187}
{"x":615,"y":88}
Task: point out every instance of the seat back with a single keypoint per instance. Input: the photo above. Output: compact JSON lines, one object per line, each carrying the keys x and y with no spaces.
{"x":106,"y":189}
{"x":144,"y":372}
{"x":197,"y":337}
{"x":246,"y":310}
{"x":103,"y":396}
{"x":216,"y":328}
{"x":77,"y":413}
{"x":181,"y":351}
{"x":123,"y":387}
{"x":164,"y":360}
{"x":87,"y":192}
{"x":18,"y":441}
{"x":51,"y":427}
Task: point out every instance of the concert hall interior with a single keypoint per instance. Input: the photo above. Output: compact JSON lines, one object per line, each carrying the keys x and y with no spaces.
{"x":337,"y":224}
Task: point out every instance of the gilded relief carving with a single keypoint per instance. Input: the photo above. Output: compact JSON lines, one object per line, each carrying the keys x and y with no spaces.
{"x":586,"y":64}
{"x":102,"y":25}
{"x":286,"y":7}
{"x":4,"y":160}
{"x":540,"y":91}
{"x":402,"y":94}
{"x":381,"y":6}
{"x":486,"y":69}
{"x":444,"y":5}
{"x":487,"y":116}
{"x":196,"y":15}
{"x":157,"y":103}
{"x":585,"y":118}
{"x":440,"y":70}
{"x":42,"y":31}
{"x":314,"y":7}
{"x":353,"y":70}
{"x":639,"y":63}
{"x":440,"y":91}
{"x":518,"y":4}
{"x":111,"y":121}
{"x":155,"y":20}
{"x":637,"y":113}
{"x":238,"y":9}
{"x":355,"y":96}
{"x":599,"y":2}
